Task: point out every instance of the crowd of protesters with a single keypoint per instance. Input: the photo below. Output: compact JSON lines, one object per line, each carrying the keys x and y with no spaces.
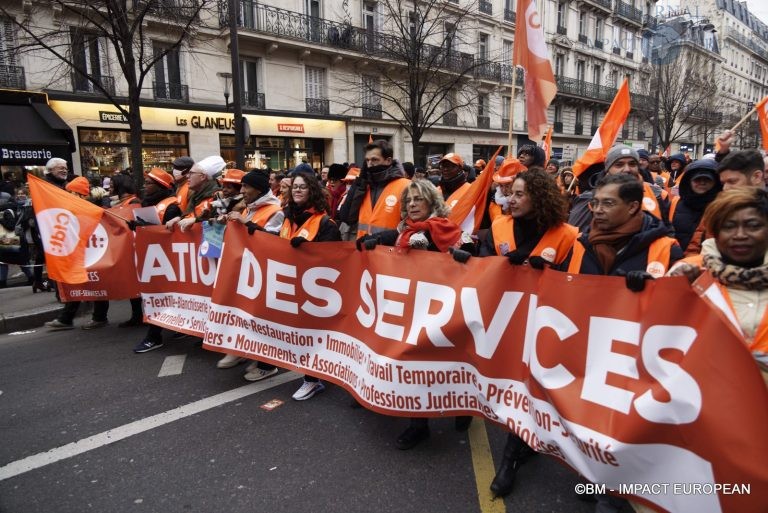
{"x":634,"y":216}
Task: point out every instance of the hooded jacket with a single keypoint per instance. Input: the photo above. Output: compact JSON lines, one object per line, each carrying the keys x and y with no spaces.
{"x":350,"y":209}
{"x":689,"y":207}
{"x":632,"y":257}
{"x":674,"y":177}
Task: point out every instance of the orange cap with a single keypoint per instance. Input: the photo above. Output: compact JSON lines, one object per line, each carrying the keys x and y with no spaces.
{"x":480,"y":163}
{"x":452,"y":157}
{"x":353,"y":173}
{"x":508,"y":170}
{"x":79,"y":185}
{"x":233,"y":176}
{"x":160,"y":177}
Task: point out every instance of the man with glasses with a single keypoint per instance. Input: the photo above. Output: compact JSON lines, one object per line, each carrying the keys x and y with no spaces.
{"x":202,"y":188}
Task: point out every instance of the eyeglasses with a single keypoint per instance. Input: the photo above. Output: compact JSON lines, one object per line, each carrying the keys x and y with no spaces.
{"x":302,"y":187}
{"x":605,"y":204}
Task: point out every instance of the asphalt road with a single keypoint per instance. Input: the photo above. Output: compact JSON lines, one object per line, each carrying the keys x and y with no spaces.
{"x":87,"y":425}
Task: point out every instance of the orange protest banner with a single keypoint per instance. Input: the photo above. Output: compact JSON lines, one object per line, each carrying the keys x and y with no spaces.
{"x":624,"y":387}
{"x":66,"y":222}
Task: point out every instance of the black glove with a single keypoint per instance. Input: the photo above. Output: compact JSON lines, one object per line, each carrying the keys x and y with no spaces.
{"x":298,"y":241}
{"x":141,"y":222}
{"x":460,"y":255}
{"x":538,"y":262}
{"x":253,"y":227}
{"x":367,"y":242}
{"x":132,"y":225}
{"x":516,"y":258}
{"x":636,"y":280}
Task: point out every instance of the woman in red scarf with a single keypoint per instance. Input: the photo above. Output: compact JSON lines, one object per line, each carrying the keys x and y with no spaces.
{"x":424,"y":225}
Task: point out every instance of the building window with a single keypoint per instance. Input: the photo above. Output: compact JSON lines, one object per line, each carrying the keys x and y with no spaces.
{"x":506,"y":52}
{"x":262,"y":152}
{"x":599,"y":29}
{"x":597,"y":74}
{"x":87,"y":54}
{"x":315,"y":90}
{"x":482,"y":46}
{"x":562,"y":14}
{"x":370,"y":95}
{"x":450,"y":41}
{"x":506,"y":103}
{"x":168,"y":83}
{"x":580,"y":70}
{"x":582,"y":23}
{"x":7,"y":43}
{"x":106,"y":151}
{"x":560,"y":65}
{"x":250,"y":83}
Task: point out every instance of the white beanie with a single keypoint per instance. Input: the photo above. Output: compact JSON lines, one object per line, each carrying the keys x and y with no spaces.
{"x":212,"y":166}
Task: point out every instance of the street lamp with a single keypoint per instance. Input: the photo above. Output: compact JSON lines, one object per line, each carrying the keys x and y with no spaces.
{"x":227,"y":77}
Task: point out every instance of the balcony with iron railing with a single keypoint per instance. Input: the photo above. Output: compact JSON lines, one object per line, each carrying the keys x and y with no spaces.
{"x":583,"y":38}
{"x":593,"y":129}
{"x":598,"y":44}
{"x":603,"y":4}
{"x":81,"y":84}
{"x":578,"y":128}
{"x":254,"y":100}
{"x":318,"y":106}
{"x":371,"y":110}
{"x":510,"y":15}
{"x":585,"y":90}
{"x":616,"y":50}
{"x":747,"y":42}
{"x":558,"y":127}
{"x":450,"y":119}
{"x":12,"y":77}
{"x":563,"y":31}
{"x":483,"y":122}
{"x":170,"y":92}
{"x":504,"y":124}
{"x":171,"y":11}
{"x":629,"y":13}
{"x":485,"y":7}
{"x":625,"y":133}
{"x":650,"y":22}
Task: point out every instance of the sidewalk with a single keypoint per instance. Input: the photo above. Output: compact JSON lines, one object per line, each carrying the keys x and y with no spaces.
{"x":20,"y":309}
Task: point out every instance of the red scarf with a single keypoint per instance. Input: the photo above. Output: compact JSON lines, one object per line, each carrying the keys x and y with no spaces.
{"x":443,"y":232}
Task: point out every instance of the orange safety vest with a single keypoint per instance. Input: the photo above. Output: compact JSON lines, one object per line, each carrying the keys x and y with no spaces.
{"x":457,"y":194}
{"x":182,"y":195}
{"x":262,"y":215}
{"x":494,"y":210}
{"x":202,"y":207}
{"x":553,"y":246}
{"x":650,"y":203}
{"x":659,"y":253}
{"x":760,"y":341}
{"x":308,"y":230}
{"x":162,"y":205}
{"x":385,"y":215}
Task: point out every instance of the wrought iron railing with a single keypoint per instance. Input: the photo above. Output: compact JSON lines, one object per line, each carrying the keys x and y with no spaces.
{"x":172,"y":10}
{"x":605,"y":4}
{"x":81,"y":84}
{"x":318,"y":106}
{"x":617,"y":50}
{"x":629,"y":12}
{"x":576,"y":87}
{"x":562,"y":30}
{"x":12,"y":77}
{"x":371,"y":110}
{"x":171,"y":92}
{"x":625,"y":133}
{"x":629,"y":55}
{"x":450,"y":119}
{"x":593,"y":129}
{"x":485,"y":7}
{"x":650,"y":22}
{"x":504,"y":124}
{"x":483,"y":122}
{"x":510,"y":15}
{"x":583,"y":38}
{"x":254,"y":100}
{"x":578,"y":128}
{"x":558,"y":127}
{"x":598,"y":44}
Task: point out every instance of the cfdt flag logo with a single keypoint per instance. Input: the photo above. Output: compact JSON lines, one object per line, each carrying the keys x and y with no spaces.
{"x":60,"y":231}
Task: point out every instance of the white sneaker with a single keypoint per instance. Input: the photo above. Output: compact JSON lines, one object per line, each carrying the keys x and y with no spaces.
{"x":308,"y":389}
{"x":252,"y":366}
{"x":259,"y":374}
{"x":229,"y":361}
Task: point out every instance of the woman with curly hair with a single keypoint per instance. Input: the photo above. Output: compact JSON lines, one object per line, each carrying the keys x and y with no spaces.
{"x":532,"y":230}
{"x":306,"y":219}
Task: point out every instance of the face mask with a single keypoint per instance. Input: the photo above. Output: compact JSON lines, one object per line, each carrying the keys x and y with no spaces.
{"x":176,"y":174}
{"x":376,"y":170}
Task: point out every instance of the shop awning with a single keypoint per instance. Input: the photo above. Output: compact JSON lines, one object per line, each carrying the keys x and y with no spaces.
{"x":31,"y":133}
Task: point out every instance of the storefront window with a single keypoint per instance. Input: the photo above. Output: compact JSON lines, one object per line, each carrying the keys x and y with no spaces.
{"x":277,"y":153}
{"x":107,"y":151}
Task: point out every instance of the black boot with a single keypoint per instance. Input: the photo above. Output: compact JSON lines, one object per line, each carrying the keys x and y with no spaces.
{"x":515,"y":454}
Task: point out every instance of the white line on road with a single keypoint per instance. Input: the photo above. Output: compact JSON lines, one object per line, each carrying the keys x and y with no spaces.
{"x":134,"y":428}
{"x":172,"y":365}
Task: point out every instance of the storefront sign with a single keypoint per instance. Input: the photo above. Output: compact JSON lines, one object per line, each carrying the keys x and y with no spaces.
{"x":112,"y":117}
{"x":30,"y":155}
{"x":207,"y":122}
{"x":290,"y":127}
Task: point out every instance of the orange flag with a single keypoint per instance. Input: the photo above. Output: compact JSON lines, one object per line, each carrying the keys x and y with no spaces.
{"x":370,"y":138}
{"x":608,"y":131}
{"x":762,"y":115}
{"x":469,"y":210}
{"x":547,"y":145}
{"x":66,"y":224}
{"x":530,"y":51}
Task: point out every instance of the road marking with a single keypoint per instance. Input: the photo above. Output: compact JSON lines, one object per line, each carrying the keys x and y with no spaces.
{"x":140,"y":426}
{"x":172,"y":365}
{"x":482,"y":463}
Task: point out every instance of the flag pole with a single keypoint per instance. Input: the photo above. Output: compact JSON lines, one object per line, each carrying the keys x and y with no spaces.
{"x":117,"y":216}
{"x":512,"y":110}
{"x":742,"y":120}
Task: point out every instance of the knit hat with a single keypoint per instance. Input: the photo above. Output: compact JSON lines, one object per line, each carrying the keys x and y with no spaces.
{"x":257,"y":179}
{"x":620,"y":152}
{"x":160,"y":177}
{"x":234,"y":176}
{"x":508,"y":170}
{"x":643,"y":153}
{"x":212,"y":166}
{"x":702,"y":168}
{"x":183,"y":163}
{"x":337,"y":172}
{"x":79,"y":185}
{"x":302,"y":168}
{"x":454,"y":158}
